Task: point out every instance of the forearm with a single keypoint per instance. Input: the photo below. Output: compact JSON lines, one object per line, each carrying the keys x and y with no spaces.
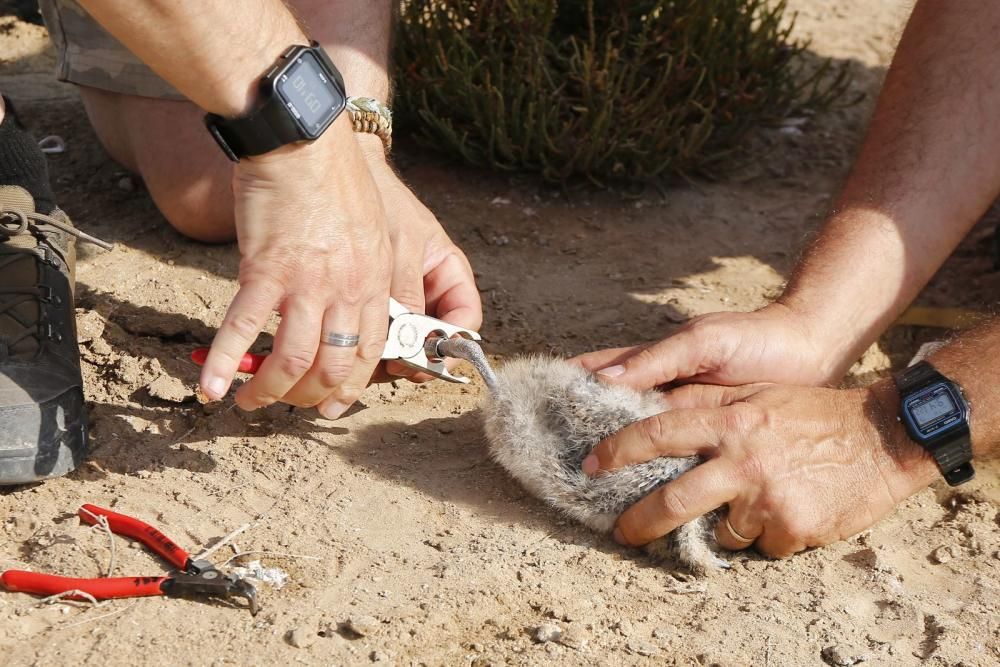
{"x":359,"y":43}
{"x":927,"y":171}
{"x":212,"y":52}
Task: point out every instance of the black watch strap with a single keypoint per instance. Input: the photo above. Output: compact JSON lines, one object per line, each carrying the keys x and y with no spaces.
{"x":917,"y":376}
{"x":954,"y":454}
{"x":247,"y":135}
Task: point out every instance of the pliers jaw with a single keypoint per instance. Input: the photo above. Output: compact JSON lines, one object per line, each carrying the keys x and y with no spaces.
{"x":213,"y":583}
{"x":414,"y":338}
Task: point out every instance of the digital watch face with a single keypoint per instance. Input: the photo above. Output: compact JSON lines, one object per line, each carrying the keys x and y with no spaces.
{"x":307,"y":91}
{"x":933,"y":410}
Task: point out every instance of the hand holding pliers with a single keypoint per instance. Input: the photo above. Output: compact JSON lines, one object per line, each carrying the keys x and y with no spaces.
{"x":192,"y":578}
{"x":413,"y":340}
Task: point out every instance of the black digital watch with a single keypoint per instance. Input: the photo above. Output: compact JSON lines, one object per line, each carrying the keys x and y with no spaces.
{"x":936,"y":416}
{"x":300,"y":96}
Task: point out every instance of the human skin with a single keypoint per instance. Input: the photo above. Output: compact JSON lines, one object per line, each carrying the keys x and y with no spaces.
{"x":305,"y":215}
{"x":802,"y":467}
{"x":926,"y":173}
{"x":798,"y":467}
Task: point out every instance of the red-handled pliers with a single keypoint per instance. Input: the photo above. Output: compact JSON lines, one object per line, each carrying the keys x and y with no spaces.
{"x":193,"y":577}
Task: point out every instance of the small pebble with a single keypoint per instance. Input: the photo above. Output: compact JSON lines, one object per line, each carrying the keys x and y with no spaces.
{"x":942,"y":554}
{"x":547,"y":632}
{"x":574,"y":638}
{"x":363,"y":626}
{"x":170,"y":389}
{"x":842,"y":656}
{"x":640,"y":647}
{"x":89,"y":326}
{"x":126,"y":184}
{"x":379,"y":656}
{"x":301,"y":638}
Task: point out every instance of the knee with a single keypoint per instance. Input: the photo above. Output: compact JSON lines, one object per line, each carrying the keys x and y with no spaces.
{"x":165,"y":142}
{"x":198,"y":215}
{"x":195,"y":196}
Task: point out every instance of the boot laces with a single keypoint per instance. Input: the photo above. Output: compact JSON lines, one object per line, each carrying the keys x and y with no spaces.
{"x":16,"y":223}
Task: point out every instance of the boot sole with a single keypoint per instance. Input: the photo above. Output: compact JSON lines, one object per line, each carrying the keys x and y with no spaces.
{"x":63,"y":451}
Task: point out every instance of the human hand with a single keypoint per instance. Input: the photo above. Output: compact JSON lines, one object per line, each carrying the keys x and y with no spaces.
{"x":797,"y":467}
{"x":315,"y":245}
{"x":773,"y":344}
{"x":430,"y":273}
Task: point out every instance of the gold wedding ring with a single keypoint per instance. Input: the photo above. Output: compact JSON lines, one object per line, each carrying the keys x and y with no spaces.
{"x":736,"y":536}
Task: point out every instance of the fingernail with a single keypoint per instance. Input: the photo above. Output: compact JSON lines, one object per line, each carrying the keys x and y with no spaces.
{"x":335,"y":409}
{"x":590,"y":465}
{"x":612,"y":371}
{"x":619,"y":538}
{"x":215,"y":387}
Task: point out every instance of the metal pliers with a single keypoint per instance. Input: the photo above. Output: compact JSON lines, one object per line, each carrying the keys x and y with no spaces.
{"x":193,"y":577}
{"x":413,"y":340}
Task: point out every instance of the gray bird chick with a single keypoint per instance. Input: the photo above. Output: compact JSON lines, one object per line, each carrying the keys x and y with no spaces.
{"x":545,"y":415}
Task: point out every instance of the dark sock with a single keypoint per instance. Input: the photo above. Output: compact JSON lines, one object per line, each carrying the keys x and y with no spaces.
{"x":22,"y":162}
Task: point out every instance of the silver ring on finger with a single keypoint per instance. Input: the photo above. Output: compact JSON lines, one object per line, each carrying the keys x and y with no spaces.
{"x":736,"y":536}
{"x":340,"y":339}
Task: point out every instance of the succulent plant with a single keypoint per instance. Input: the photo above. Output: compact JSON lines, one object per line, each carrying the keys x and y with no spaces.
{"x":605,"y":89}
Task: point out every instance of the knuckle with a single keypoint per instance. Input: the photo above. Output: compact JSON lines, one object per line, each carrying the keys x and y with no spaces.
{"x":335,"y":374}
{"x":244,"y":325}
{"x":651,"y":431}
{"x":703,"y":327}
{"x":258,"y":400}
{"x":646,"y":357}
{"x":672,"y":503}
{"x":348,"y":395}
{"x":296,"y":364}
{"x":370,"y":351}
{"x":798,"y":529}
{"x":743,"y":418}
{"x":351,"y":294}
{"x":607,"y":453}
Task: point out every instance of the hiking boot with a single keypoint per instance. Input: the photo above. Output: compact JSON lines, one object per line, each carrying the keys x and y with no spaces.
{"x":43,"y":420}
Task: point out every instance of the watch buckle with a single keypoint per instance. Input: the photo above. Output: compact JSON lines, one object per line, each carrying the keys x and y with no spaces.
{"x":213,"y":129}
{"x":960,"y":475}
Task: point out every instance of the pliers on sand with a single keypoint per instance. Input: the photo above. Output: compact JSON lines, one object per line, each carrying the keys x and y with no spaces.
{"x":192,"y":578}
{"x":413,"y":340}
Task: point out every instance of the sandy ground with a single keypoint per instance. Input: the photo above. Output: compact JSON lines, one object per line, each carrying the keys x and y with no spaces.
{"x":393,"y":521}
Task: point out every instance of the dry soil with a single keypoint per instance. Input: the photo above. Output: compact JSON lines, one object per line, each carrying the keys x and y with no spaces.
{"x":404,"y":543}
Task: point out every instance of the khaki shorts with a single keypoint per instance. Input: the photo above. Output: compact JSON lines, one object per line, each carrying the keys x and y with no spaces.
{"x":89,"y":56}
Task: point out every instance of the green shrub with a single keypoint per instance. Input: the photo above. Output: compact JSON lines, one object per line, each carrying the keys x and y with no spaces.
{"x":613,"y":89}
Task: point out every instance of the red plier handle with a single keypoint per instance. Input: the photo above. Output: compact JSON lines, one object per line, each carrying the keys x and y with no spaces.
{"x":101,"y":589}
{"x":153,"y":539}
{"x":250,"y":363}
